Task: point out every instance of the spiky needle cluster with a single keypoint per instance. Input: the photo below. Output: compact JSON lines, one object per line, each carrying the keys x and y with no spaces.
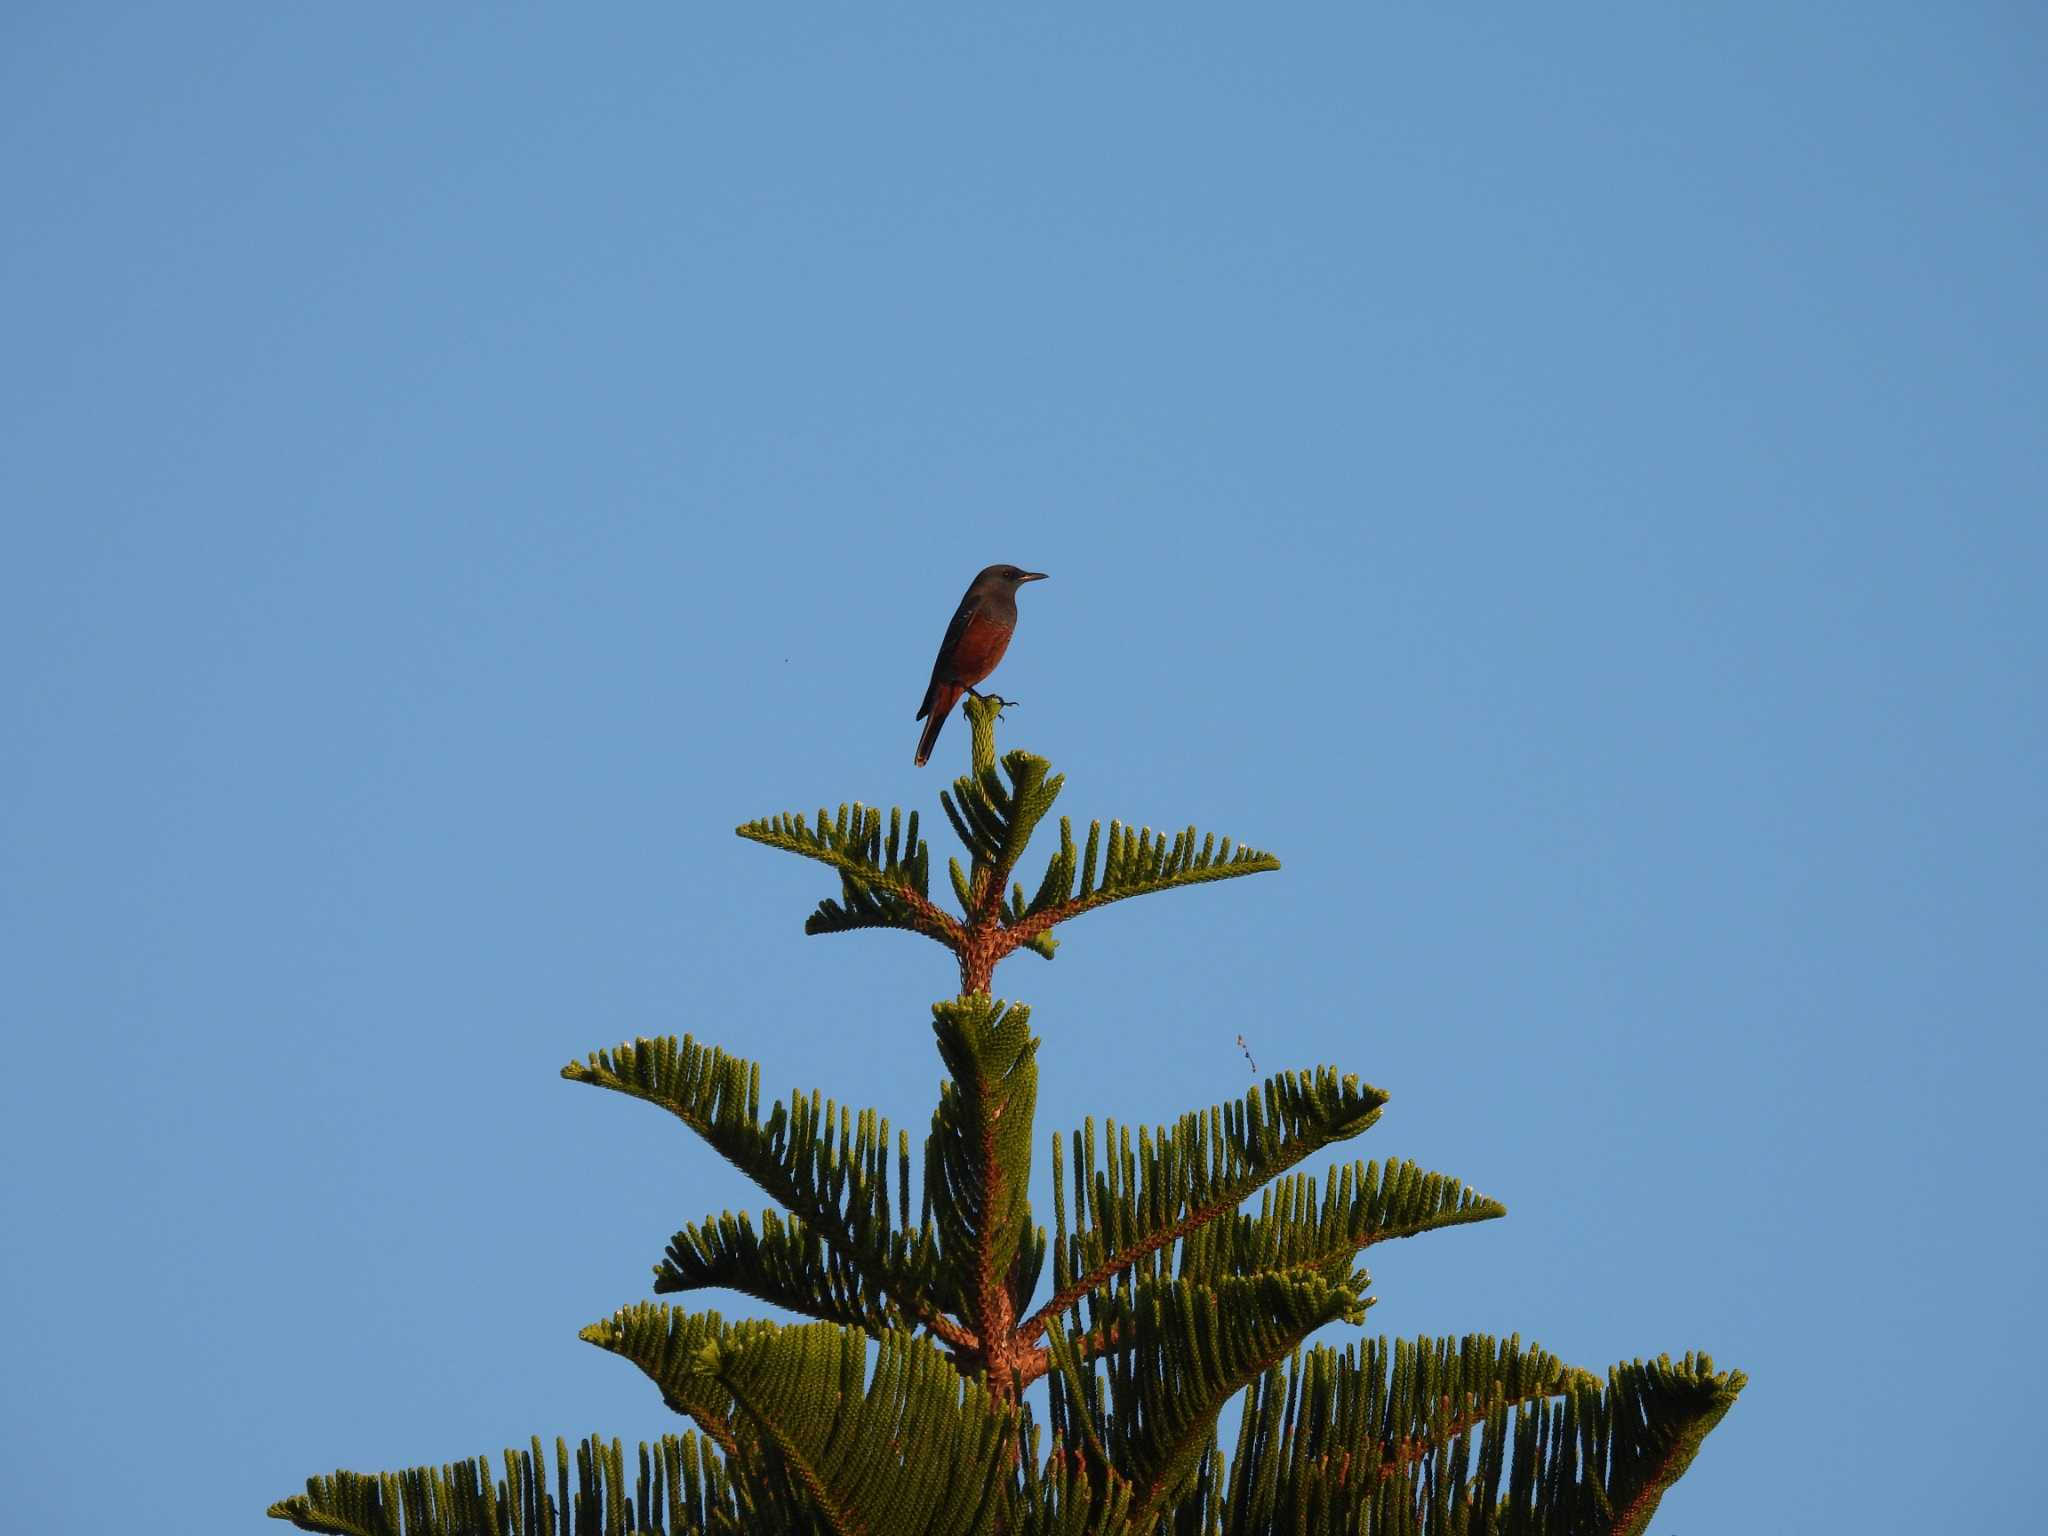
{"x":899,"y":1408}
{"x":885,"y":880}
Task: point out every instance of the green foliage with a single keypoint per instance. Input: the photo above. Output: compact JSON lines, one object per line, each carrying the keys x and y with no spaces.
{"x":681,"y":1490}
{"x":815,"y":1441}
{"x":1429,"y":1437}
{"x":994,"y":821}
{"x":978,"y":1158}
{"x":668,"y":1346}
{"x":885,"y":880}
{"x":787,"y":1263}
{"x":1448,"y":1437}
{"x":1366,"y":1433}
{"x":1176,"y":1182}
{"x":1130,"y":861}
{"x":1361,"y":1204}
{"x":1146,"y":1414}
{"x":843,"y":1254}
{"x":1168,"y":1298}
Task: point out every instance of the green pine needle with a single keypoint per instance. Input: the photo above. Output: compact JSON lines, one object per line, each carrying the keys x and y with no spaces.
{"x":681,"y":1490}
{"x":1133,"y":1202}
{"x":823,"y":1163}
{"x":1151,"y":1409}
{"x":885,"y":878}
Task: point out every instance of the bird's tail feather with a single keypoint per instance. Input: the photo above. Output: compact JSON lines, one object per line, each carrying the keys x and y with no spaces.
{"x":938,"y":708}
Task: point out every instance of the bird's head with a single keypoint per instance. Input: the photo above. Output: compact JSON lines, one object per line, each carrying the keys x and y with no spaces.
{"x":1010,"y":576}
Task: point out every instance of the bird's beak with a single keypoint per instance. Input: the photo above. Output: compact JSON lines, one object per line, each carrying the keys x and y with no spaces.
{"x":1032,"y":576}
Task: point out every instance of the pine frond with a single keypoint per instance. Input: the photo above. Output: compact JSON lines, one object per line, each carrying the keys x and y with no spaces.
{"x":1360,"y":1204}
{"x":1644,"y":1430}
{"x":819,"y":1160}
{"x":914,"y":1451}
{"x":1131,"y":1204}
{"x":681,"y":1490}
{"x":665,"y":1343}
{"x":789,"y":1264}
{"x":978,"y":1158}
{"x":1435,"y":1437}
{"x":994,"y":821}
{"x":1148,"y":1413}
{"x":1068,"y":1494}
{"x":885,"y":881}
{"x":1130,"y":861}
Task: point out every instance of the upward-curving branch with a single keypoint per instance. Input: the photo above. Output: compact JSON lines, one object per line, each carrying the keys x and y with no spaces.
{"x":885,"y":877}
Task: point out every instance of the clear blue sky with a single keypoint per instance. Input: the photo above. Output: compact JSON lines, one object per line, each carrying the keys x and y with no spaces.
{"x":1573,"y":483}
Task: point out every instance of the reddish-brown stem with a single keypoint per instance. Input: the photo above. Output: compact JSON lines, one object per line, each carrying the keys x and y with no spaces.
{"x":717,"y":1428}
{"x":1035,"y":1324}
{"x":995,"y":1312}
{"x":1405,"y":1450}
{"x":1651,"y":1492}
{"x":979,"y":948}
{"x":1025,"y":929}
{"x":933,"y":920}
{"x":945,"y":1328}
{"x":1033,"y":1361}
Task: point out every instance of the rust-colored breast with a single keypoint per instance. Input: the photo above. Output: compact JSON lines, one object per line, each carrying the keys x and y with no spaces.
{"x":981,"y":645}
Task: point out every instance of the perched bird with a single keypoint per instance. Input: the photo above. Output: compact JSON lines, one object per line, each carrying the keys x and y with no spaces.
{"x":974,"y":643}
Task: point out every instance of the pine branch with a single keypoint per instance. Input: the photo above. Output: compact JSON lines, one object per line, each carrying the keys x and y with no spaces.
{"x":1067,"y":1495}
{"x":995,"y":822}
{"x":1462,"y":1434}
{"x":1134,"y":862}
{"x":665,"y":1343}
{"x":884,"y":882}
{"x":682,"y":1489}
{"x":1648,"y":1426}
{"x":814,"y":1157}
{"x":917,"y":1451}
{"x":789,"y":1264}
{"x":978,"y":1162}
{"x":1151,"y":1412}
{"x":1361,"y":1204}
{"x":1128,"y":1212}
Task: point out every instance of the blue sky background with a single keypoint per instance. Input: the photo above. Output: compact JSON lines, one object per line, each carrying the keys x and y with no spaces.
{"x":1571,"y":483}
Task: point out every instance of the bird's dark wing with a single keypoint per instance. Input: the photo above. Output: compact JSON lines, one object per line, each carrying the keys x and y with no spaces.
{"x":969,"y":606}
